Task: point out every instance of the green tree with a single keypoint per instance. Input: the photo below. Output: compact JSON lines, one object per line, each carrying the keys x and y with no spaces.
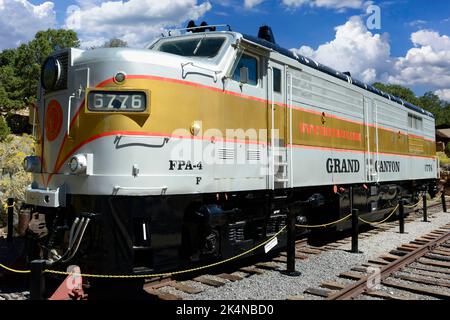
{"x":11,"y":90}
{"x":20,"y":68}
{"x":447,"y":148}
{"x":31,"y":56}
{"x":4,"y":129}
{"x":398,"y":91}
{"x":431,"y":102}
{"x":115,"y":43}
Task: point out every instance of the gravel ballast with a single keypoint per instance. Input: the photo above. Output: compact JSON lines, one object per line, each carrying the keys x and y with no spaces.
{"x":273,"y":285}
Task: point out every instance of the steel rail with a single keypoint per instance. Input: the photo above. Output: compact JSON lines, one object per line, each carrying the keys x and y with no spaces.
{"x":360,"y":286}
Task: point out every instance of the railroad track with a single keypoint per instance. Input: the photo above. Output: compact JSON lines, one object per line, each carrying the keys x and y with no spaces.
{"x":416,"y":270}
{"x":167,"y":288}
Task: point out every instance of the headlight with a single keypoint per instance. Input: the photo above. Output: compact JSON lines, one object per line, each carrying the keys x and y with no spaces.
{"x":78,"y":164}
{"x":120,"y":77}
{"x":32,"y":164}
{"x":51,"y":73}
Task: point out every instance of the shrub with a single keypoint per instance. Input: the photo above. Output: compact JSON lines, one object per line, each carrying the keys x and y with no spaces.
{"x":13,"y":179}
{"x":4,"y":129}
{"x":443,"y":159}
{"x":447,"y":149}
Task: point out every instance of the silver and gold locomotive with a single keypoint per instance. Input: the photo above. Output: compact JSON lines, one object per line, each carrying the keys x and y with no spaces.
{"x":192,"y":148}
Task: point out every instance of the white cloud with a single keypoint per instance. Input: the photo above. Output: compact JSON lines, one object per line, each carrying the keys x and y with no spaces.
{"x":427,"y":63}
{"x":367,"y":56}
{"x":333,"y":4}
{"x":354,"y":49}
{"x":416,"y":23}
{"x":20,"y":20}
{"x":252,"y":3}
{"x":443,"y":94}
{"x":135,"y":21}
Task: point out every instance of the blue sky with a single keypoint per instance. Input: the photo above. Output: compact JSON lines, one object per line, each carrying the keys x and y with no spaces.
{"x":411,"y":48}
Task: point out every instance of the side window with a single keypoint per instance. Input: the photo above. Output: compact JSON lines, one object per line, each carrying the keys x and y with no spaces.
{"x":277,"y":80}
{"x":415,"y":122}
{"x":251,"y":63}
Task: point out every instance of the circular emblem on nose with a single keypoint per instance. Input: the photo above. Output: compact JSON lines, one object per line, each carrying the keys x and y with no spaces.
{"x":53,"y":120}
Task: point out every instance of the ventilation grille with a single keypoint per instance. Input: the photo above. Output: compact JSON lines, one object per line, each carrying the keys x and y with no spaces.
{"x":253,"y":155}
{"x":225,"y":154}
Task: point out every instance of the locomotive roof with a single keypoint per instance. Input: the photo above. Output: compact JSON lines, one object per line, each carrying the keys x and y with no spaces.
{"x":334,"y":73}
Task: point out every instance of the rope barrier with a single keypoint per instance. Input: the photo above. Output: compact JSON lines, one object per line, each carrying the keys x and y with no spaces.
{"x":435,"y":199}
{"x":382,"y":221}
{"x":413,"y":206}
{"x":323,"y":225}
{"x":167,"y":274}
{"x":6,"y":206}
{"x":14,"y":270}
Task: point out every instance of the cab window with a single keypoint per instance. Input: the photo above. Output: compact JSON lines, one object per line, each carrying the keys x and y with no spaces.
{"x":205,"y":47}
{"x":277,"y":80}
{"x":251,"y":63}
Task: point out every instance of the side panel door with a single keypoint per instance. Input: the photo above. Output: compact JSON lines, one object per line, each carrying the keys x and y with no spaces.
{"x":279,"y":128}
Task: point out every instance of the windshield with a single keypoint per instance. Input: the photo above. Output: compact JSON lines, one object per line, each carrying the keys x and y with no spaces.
{"x":206,"y":47}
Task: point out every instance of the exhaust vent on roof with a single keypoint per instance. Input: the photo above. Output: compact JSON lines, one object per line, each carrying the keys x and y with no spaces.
{"x":265,"y":33}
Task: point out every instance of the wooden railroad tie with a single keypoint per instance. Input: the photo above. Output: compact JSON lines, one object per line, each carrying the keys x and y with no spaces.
{"x":383,"y":295}
{"x":319,"y":292}
{"x":419,"y":266}
{"x":209,"y":282}
{"x":416,"y":289}
{"x":426,"y":273}
{"x":434,"y":263}
{"x":185,"y":288}
{"x":162,"y":296}
{"x":422,"y":280}
{"x":252,"y":270}
{"x":333,"y":285}
{"x":230,"y":277}
{"x":351,"y":275}
{"x":437,"y":257}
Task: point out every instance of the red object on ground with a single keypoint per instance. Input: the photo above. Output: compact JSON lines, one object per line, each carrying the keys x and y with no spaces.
{"x":70,"y":289}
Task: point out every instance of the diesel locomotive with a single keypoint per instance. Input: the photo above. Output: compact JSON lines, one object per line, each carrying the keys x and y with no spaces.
{"x":192,"y":148}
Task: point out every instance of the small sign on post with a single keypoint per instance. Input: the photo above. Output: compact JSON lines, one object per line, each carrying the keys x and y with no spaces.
{"x":10,"y":235}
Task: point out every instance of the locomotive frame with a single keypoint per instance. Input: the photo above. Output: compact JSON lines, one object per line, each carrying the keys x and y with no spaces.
{"x":227,"y":142}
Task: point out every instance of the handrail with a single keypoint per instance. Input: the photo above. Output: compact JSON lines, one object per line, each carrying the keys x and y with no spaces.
{"x":200,"y":27}
{"x":291,"y":169}
{"x":163,"y":189}
{"x":69,"y":116}
{"x":216,"y":72}
{"x":272,"y":125}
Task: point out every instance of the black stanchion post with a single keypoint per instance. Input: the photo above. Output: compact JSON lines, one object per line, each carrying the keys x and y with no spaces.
{"x":401,"y":215}
{"x":10,"y":220}
{"x":444,"y":204}
{"x":355,"y":231}
{"x":290,"y":267}
{"x":425,"y":213}
{"x":37,"y":280}
{"x":355,"y":213}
